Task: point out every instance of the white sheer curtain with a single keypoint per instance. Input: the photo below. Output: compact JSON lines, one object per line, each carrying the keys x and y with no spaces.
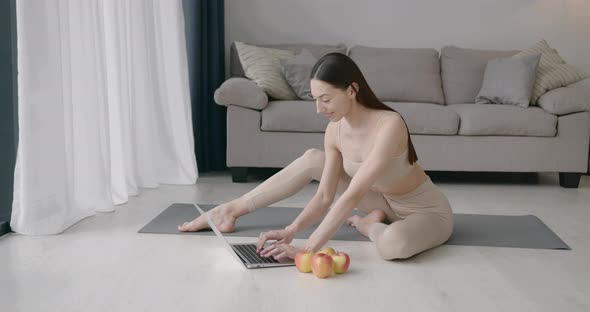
{"x":104,"y":107}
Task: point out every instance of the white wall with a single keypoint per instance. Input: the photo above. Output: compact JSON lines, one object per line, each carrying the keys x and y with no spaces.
{"x":486,"y":24}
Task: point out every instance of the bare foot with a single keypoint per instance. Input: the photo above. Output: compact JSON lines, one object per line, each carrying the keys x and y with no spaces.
{"x":362,"y":223}
{"x":221,"y":216}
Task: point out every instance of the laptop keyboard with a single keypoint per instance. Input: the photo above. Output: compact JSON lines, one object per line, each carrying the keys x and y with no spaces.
{"x":249,"y":251}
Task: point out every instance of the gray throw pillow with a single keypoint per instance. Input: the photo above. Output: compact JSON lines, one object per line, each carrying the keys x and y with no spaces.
{"x":297,"y":71}
{"x":509,"y":80}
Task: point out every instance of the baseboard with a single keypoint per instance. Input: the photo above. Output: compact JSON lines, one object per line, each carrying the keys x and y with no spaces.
{"x":4,"y":227}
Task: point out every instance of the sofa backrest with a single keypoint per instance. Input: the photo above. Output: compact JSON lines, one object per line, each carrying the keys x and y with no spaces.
{"x":401,"y":74}
{"x":462,"y":71}
{"x":318,"y":50}
{"x":406,"y":74}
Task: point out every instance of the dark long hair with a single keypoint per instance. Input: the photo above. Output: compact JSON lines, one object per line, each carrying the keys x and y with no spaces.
{"x":341,"y":71}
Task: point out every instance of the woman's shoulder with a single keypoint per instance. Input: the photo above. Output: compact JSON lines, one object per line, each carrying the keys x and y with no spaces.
{"x":390,"y":117}
{"x":331,"y":131}
{"x":393,"y":125}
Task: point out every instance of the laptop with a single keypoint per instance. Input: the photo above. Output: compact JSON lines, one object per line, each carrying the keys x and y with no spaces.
{"x":246,"y":253}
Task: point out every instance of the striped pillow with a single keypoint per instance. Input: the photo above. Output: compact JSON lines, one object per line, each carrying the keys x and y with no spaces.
{"x":263,"y":66}
{"x":552,"y":72}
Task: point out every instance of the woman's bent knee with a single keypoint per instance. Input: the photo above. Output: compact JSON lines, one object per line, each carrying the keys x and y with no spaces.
{"x":315,"y":159}
{"x":315,"y":155}
{"x":394,"y":244}
{"x":390,"y":249}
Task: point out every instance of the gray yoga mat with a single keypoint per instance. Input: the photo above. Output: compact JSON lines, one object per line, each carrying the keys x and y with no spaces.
{"x":526,"y":231}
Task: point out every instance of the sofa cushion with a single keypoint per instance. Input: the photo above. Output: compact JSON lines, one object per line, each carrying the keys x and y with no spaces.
{"x":301,"y":116}
{"x":263,"y":65}
{"x":401,"y":75}
{"x":427,"y":118}
{"x":553,"y":72}
{"x":491,"y":119}
{"x":297,"y":72}
{"x":462,"y":71}
{"x":293,"y":116}
{"x":509,"y":80}
{"x":318,"y":50}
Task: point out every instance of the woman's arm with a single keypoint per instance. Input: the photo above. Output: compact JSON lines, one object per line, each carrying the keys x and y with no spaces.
{"x":331,"y":223}
{"x":312,"y":212}
{"x":326,"y":192}
{"x":389,"y":142}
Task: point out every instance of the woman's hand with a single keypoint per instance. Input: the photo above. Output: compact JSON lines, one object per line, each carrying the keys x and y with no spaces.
{"x":280,"y":251}
{"x":284,"y":236}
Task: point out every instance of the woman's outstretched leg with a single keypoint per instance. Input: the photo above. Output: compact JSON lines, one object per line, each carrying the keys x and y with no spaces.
{"x":281,"y":185}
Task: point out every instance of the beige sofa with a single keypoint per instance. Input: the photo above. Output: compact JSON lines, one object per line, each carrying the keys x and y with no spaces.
{"x":435,"y":94}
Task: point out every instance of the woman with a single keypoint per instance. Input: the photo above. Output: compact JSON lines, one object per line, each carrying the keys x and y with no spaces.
{"x":369,"y":160}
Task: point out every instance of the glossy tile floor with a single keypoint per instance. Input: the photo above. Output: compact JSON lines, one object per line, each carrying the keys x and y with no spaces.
{"x":103,"y":264}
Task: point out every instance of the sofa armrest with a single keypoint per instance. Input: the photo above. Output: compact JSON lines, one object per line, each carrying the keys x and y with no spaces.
{"x":242,"y":92}
{"x":565,"y":100}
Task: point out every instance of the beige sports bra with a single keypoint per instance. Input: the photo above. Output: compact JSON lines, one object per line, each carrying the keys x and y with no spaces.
{"x":398,"y":167}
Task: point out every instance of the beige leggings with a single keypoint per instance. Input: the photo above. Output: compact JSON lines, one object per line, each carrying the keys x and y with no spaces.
{"x":419,"y":220}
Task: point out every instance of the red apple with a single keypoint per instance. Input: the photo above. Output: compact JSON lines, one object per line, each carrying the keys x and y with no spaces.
{"x":341,"y":262}
{"x":322,"y":265}
{"x":303,"y":261}
{"x":328,"y":251}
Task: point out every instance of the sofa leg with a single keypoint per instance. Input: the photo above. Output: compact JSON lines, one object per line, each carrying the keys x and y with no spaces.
{"x":569,"y":179}
{"x":239,"y":174}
